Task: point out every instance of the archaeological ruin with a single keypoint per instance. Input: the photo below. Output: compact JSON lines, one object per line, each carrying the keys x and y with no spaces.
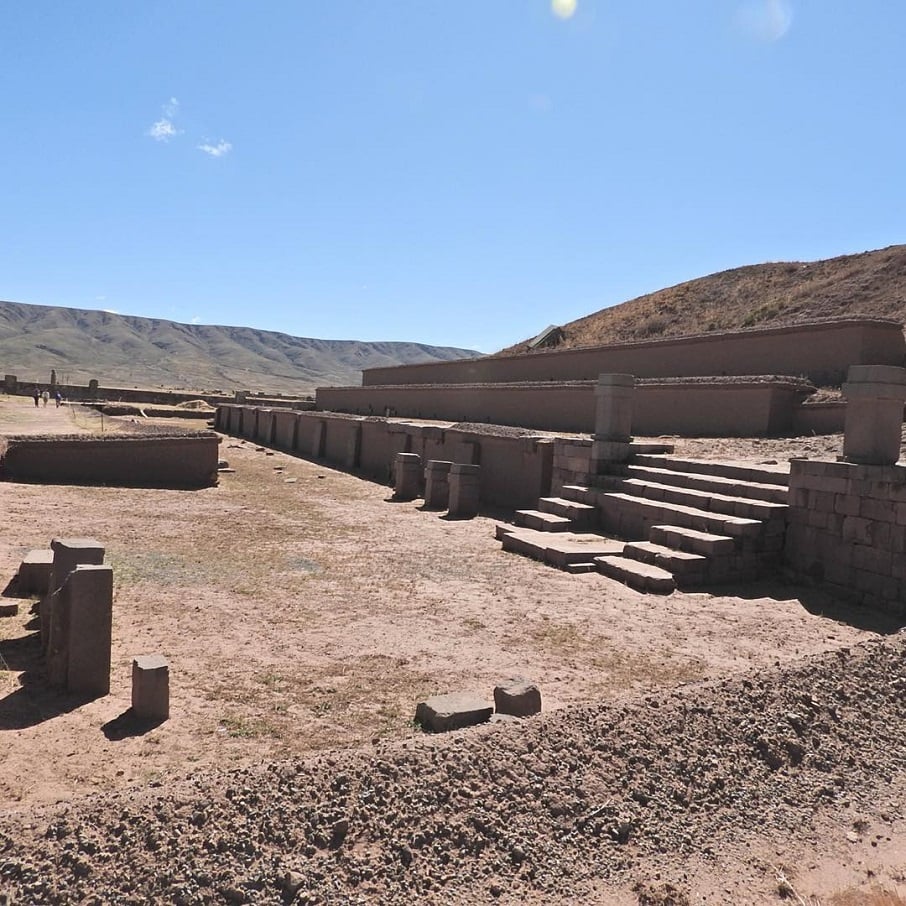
{"x":591,"y":498}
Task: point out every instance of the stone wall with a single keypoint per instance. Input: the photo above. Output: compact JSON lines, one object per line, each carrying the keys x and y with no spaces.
{"x":515,"y":465}
{"x":847,"y":530}
{"x":707,"y":408}
{"x":155,"y":461}
{"x":821,"y":351}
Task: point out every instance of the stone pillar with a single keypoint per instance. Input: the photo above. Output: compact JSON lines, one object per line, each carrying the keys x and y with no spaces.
{"x":68,"y":553}
{"x":465,"y":490}
{"x":613,"y":420}
{"x":407,"y":473}
{"x":11,"y":384}
{"x":151,"y":687}
{"x":437,"y":484}
{"x":93,"y":388}
{"x":79,"y":659}
{"x":875,"y":395}
{"x":352,"y":454}
{"x":319,"y":440}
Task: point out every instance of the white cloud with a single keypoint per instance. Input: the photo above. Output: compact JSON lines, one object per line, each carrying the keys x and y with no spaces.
{"x":110,"y":311}
{"x":222,"y":147}
{"x":195,"y":320}
{"x":163,"y":130}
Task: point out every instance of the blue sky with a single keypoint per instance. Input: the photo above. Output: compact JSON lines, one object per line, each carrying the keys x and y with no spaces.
{"x":456,"y":172}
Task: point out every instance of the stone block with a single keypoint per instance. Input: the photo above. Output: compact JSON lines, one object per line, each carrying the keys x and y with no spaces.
{"x":68,"y":553}
{"x":517,"y":696}
{"x":452,"y":711}
{"x":437,"y":484}
{"x":874,"y":414}
{"x":613,"y":407}
{"x":846,"y":504}
{"x":465,"y":490}
{"x":78,"y":656}
{"x":878,"y":510}
{"x":407,"y":475}
{"x":151,"y":687}
{"x":34,"y":572}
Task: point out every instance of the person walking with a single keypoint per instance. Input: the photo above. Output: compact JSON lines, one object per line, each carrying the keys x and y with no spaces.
{"x":45,"y":396}
{"x":59,"y":399}
{"x":37,"y":396}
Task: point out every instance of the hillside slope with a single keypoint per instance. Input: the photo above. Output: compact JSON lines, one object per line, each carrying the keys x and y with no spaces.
{"x":871,"y":283}
{"x":131,"y":351}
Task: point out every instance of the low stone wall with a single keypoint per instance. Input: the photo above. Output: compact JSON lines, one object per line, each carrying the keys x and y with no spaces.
{"x":695,"y":408}
{"x":820,"y":350}
{"x":180,"y":461}
{"x":515,"y":465}
{"x":847,"y":530}
{"x":820,"y":418}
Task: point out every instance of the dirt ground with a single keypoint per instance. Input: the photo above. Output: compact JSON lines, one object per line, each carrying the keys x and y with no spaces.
{"x":303,"y":611}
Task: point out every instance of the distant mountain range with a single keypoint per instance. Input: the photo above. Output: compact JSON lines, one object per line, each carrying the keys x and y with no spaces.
{"x":126,"y":351}
{"x":759,"y":295}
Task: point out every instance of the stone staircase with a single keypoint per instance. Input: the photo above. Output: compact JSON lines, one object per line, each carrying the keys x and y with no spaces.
{"x":684,"y":523}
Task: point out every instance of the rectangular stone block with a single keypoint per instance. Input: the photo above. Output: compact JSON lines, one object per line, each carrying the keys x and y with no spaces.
{"x":34,"y":572}
{"x":79,"y":651}
{"x":465,"y":490}
{"x":452,"y":711}
{"x":407,"y":476}
{"x":437,"y":484}
{"x":878,"y":510}
{"x":68,"y":553}
{"x":847,"y":504}
{"x":151,"y":687}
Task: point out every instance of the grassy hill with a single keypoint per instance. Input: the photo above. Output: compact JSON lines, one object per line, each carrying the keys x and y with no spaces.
{"x":872,"y":283}
{"x":121,"y":350}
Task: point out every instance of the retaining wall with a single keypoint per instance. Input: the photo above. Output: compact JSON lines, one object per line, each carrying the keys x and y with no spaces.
{"x":713,"y":407}
{"x":847,"y":529}
{"x":156,"y":461}
{"x":821,"y":351}
{"x":516,"y":467}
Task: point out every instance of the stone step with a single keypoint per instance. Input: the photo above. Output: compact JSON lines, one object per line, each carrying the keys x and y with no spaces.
{"x":632,"y":517}
{"x":692,"y":540}
{"x":635,"y":574}
{"x":764,"y":473}
{"x":560,"y":548}
{"x":734,"y":487}
{"x":578,"y":493}
{"x":703,"y":500}
{"x":682,"y":564}
{"x":582,"y":515}
{"x":543,"y":522}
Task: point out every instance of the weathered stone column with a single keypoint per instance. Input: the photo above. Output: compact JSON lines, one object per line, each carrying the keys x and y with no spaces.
{"x":465,"y":490}
{"x":79,"y":656}
{"x":151,"y":687}
{"x":437,"y":484}
{"x":407,"y":476}
{"x":613,"y":420}
{"x":875,"y":395}
{"x":68,"y":553}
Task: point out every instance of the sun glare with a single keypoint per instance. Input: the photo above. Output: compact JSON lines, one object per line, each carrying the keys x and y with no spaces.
{"x":563,"y":9}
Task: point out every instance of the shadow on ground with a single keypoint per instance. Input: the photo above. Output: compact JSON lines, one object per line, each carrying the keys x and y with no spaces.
{"x":816,"y":601}
{"x":33,"y":701}
{"x":129,"y":724}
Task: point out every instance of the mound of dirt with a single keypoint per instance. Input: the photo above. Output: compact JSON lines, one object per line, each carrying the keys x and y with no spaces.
{"x":574,"y":804}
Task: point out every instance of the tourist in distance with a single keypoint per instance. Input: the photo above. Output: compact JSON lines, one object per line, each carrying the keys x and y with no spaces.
{"x":37,"y":396}
{"x":59,"y":399}
{"x":45,"y":396}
